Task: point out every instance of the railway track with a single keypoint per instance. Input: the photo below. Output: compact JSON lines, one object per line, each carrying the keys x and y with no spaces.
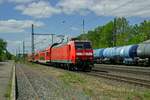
{"x":25,"y":89}
{"x":34,"y":84}
{"x":117,"y":77}
{"x":124,"y":66}
{"x":127,"y":69}
{"x":131,"y":80}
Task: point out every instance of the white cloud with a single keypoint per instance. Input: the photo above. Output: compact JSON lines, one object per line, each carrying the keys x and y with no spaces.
{"x":12,"y":25}
{"x":121,"y":8}
{"x":12,"y":46}
{"x":43,"y":8}
{"x":74,"y":28}
{"x":71,"y":6}
{"x":125,"y":8}
{"x":39,"y":9}
{"x":18,"y":1}
{"x":21,"y":1}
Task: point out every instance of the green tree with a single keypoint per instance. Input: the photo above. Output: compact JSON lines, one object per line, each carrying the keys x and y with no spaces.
{"x":4,"y":54}
{"x":102,"y":36}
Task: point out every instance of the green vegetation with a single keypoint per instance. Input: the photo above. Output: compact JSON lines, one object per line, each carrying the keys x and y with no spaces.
{"x":94,"y":87}
{"x":125,"y":33}
{"x":139,"y":96}
{"x":70,"y":78}
{"x":8,"y":91}
{"x":4,"y":54}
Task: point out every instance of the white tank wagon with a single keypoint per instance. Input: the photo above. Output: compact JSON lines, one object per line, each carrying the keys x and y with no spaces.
{"x":138,"y":54}
{"x":143,"y":54}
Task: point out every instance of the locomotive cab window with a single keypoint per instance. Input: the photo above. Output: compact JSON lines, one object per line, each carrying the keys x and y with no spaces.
{"x":82,"y":45}
{"x":87,"y":45}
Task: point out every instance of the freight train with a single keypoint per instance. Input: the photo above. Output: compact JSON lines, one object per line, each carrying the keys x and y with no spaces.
{"x":73,"y":55}
{"x":138,"y":54}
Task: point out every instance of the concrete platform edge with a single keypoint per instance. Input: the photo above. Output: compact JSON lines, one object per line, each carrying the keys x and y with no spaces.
{"x":13,"y":87}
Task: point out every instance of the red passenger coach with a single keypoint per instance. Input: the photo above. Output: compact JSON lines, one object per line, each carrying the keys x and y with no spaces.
{"x":30,"y":57}
{"x":73,"y":55}
{"x":36,"y":56}
{"x":42,"y":56}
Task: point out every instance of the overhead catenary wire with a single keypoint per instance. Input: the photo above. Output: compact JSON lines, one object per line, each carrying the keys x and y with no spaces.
{"x":67,"y":29}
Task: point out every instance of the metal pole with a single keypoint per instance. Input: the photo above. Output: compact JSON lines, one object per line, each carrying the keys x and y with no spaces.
{"x":23,"y":51}
{"x":32,"y":38}
{"x":19,"y":52}
{"x":114,"y":33}
{"x":67,"y":39}
{"x":83,"y":29}
{"x":52,"y":38}
{"x":16,"y":54}
{"x":83,"y":26}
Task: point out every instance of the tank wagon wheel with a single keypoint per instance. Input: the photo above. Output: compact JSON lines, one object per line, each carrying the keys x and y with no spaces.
{"x":149,"y":62}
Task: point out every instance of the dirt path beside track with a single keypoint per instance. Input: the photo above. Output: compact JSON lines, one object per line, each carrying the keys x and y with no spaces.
{"x":5,"y":79}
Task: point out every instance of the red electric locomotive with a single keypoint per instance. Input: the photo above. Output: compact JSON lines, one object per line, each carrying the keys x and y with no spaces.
{"x":74,"y":55}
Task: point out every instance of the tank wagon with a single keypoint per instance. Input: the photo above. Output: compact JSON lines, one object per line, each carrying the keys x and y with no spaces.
{"x":74,"y":55}
{"x":131,"y":54}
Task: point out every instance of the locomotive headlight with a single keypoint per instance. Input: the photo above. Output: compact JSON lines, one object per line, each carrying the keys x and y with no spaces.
{"x":79,"y":54}
{"x":88,"y":54}
{"x":91,"y":57}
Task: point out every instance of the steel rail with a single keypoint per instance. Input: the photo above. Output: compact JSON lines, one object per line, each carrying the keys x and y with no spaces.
{"x":136,"y":81}
{"x":37,"y":97}
{"x":123,"y":69}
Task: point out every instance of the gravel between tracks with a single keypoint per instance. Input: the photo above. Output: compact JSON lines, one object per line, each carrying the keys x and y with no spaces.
{"x":46,"y":87}
{"x":66,"y":85}
{"x":25,"y":90}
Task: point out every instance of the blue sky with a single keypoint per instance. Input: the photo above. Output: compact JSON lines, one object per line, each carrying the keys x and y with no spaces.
{"x":62,"y":17}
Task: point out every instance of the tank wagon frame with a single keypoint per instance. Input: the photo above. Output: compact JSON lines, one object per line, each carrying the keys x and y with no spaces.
{"x":138,"y":54}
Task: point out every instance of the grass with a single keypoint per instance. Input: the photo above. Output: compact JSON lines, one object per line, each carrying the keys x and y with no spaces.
{"x":8,"y":91}
{"x":9,"y":87}
{"x":96,"y":87}
{"x":70,"y":78}
{"x":93,"y":88}
{"x":139,"y":96}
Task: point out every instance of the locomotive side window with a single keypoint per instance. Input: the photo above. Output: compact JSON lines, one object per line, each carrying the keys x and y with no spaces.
{"x":82,"y":45}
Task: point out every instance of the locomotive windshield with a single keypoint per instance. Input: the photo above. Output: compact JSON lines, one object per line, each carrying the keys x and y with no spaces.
{"x":83,"y":45}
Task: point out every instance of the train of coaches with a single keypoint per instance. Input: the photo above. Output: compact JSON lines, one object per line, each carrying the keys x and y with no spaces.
{"x":74,"y":55}
{"x":79,"y":55}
